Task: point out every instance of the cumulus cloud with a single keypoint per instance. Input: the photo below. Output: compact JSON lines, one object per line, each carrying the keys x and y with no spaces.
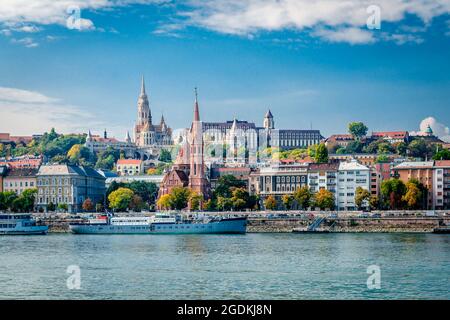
{"x":440,"y":130}
{"x":334,"y":20}
{"x":28,"y":112}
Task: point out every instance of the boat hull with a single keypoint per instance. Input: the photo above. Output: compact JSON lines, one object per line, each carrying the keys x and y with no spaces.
{"x":224,"y":226}
{"x":41,"y":230}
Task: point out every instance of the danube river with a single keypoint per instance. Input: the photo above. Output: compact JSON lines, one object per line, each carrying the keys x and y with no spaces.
{"x":252,"y":266}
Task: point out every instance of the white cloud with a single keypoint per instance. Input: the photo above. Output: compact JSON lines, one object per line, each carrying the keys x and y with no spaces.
{"x":349,"y":35}
{"x":334,"y":20}
{"x":27,"y":42}
{"x":440,"y":130}
{"x":24,"y":112}
{"x":346,"y":18}
{"x":401,"y":39}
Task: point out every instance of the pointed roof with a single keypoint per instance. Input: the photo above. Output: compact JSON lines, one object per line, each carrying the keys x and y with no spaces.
{"x":162,"y":119}
{"x":268,"y":114}
{"x":234,"y":126}
{"x":127,"y":137}
{"x":196,"y":112}
{"x":428,"y":130}
{"x":143,"y":86}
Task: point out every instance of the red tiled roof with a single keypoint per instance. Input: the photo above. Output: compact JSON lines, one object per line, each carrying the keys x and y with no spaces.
{"x":336,"y":137}
{"x":392,"y":134}
{"x":442,"y":163}
{"x":129,"y":161}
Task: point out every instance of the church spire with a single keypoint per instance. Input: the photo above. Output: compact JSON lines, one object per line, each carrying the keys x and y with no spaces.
{"x":143,"y":86}
{"x":196,"y":112}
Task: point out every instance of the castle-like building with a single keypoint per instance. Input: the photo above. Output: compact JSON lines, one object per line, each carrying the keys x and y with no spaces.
{"x":147,"y":134}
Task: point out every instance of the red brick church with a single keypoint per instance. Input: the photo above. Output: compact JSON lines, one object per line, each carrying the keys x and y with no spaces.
{"x":189,"y":168}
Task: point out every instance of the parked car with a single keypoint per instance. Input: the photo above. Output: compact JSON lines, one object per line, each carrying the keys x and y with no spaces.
{"x":430,"y":213}
{"x":333,"y":216}
{"x":376,"y":215}
{"x":363,"y":215}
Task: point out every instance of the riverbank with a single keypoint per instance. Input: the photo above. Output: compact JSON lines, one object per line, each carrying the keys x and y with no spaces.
{"x":381,"y":222}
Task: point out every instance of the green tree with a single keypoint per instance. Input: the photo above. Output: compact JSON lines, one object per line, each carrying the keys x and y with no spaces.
{"x":80,"y":155}
{"x":321,"y":154}
{"x":63,"y":207}
{"x":287,"y":200}
{"x":51,"y":207}
{"x":6,"y":200}
{"x":209,"y":205}
{"x":225,"y":185}
{"x":392,"y":191}
{"x":179,"y":198}
{"x":312,"y":150}
{"x":240,"y":198}
{"x":28,"y":197}
{"x":382,"y":158}
{"x":357,"y":129}
{"x":270,"y":203}
{"x":418,"y":148}
{"x":196,"y":200}
{"x":385,"y":147}
{"x":361,"y":197}
{"x":303,"y":197}
{"x":224,"y":204}
{"x":165,"y":156}
{"x":443,"y":154}
{"x":401,"y":148}
{"x":120,"y":199}
{"x":324,"y":199}
{"x":136,"y":203}
{"x":354,"y":147}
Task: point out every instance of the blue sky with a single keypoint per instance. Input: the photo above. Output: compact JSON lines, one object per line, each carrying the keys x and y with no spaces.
{"x":310,"y":64}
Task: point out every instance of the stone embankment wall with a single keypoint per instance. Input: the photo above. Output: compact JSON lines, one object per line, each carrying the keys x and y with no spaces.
{"x":390,"y":221}
{"x":405,"y":224}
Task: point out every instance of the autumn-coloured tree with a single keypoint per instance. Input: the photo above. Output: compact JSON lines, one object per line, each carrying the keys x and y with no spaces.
{"x":196,"y":201}
{"x":270,"y":203}
{"x":361,"y":197}
{"x":120,"y":199}
{"x":88,"y":205}
{"x":287,"y":200}
{"x":164,"y":202}
{"x":303,"y":197}
{"x":412,"y":196}
{"x":324,"y":199}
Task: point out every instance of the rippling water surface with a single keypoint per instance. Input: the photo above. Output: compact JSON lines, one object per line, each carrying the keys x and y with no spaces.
{"x":252,"y":266}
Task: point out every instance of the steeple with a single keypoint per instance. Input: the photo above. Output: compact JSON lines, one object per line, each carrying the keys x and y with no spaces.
{"x":197,"y":179}
{"x":196,"y":112}
{"x":89,"y":137}
{"x":127,"y":137}
{"x":268,"y":120}
{"x":144,"y":113}
{"x":143,"y":86}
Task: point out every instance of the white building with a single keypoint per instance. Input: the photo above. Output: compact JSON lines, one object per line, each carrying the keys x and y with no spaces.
{"x":351,"y":175}
{"x":323,"y":176}
{"x":129,"y":167}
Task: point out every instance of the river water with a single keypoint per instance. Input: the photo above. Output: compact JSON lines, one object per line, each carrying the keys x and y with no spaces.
{"x":252,"y":266}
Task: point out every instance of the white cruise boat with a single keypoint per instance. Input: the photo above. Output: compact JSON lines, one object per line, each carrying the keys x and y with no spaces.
{"x":161,"y":223}
{"x":20,"y":224}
